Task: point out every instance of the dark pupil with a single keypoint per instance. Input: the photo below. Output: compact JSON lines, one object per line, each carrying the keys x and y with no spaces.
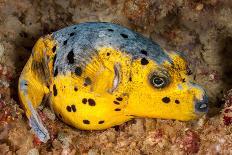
{"x":158,"y":81}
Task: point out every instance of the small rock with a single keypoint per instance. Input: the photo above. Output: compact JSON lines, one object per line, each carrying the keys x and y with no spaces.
{"x":62,"y":3}
{"x":50,"y":115}
{"x":190,"y":142}
{"x":92,"y":152}
{"x":154,"y":137}
{"x":199,"y":7}
{"x":33,"y":151}
{"x":64,"y":138}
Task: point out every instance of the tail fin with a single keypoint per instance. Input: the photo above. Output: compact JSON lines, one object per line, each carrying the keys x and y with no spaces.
{"x":31,"y":92}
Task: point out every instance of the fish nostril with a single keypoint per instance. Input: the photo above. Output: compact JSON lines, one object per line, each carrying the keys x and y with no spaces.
{"x":202,"y":105}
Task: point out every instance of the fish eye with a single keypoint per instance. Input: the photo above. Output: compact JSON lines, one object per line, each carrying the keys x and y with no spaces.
{"x":159,"y":81}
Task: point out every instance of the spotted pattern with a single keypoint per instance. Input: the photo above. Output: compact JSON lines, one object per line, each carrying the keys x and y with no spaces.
{"x":54,"y":60}
{"x":144,"y":61}
{"x":72,"y":34}
{"x":55,"y":72}
{"x":177,"y":101}
{"x":78,"y":47}
{"x":78,"y":71}
{"x":86,"y":121}
{"x":68,"y":108}
{"x":71,"y":108}
{"x":84,"y":100}
{"x":119,"y":98}
{"x":88,"y":81}
{"x":54,"y":49}
{"x":124,"y":35}
{"x":101,"y":122}
{"x":85,"y":38}
{"x":117,"y":109}
{"x":91,"y":102}
{"x":56,"y":68}
{"x":166,"y":99}
{"x":144,"y":52}
{"x":70,"y":57}
{"x":54,"y":90}
{"x":115,"y":102}
{"x":111,"y":30}
{"x":75,"y":88}
{"x":65,"y":42}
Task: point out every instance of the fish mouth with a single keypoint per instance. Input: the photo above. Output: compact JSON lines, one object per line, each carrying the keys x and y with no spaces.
{"x":201,"y":106}
{"x":117,"y":78}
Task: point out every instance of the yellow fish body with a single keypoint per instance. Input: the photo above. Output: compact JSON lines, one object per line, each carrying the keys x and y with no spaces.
{"x":98,"y":75}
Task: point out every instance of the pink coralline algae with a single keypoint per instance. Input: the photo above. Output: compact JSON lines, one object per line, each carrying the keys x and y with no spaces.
{"x":190,"y":142}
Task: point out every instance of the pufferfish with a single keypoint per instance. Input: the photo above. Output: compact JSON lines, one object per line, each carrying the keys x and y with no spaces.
{"x":97,"y":75}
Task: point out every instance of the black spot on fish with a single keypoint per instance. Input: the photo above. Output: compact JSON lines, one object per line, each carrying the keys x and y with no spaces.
{"x":91,"y":102}
{"x":84,"y":100}
{"x":65,"y":42}
{"x":70,"y":57}
{"x":54,"y":90}
{"x":111,"y":30}
{"x":54,"y":60}
{"x":183,"y":80}
{"x":117,"y":109}
{"x":68,"y":108}
{"x":86,"y":121}
{"x":124,"y":35}
{"x":144,"y":61}
{"x":144,"y":52}
{"x":119,"y":98}
{"x":108,"y":54}
{"x":73,"y":108}
{"x":130,"y":78}
{"x":166,"y":99}
{"x":72,"y":34}
{"x":87,"y":81}
{"x":75,"y":28}
{"x":101,"y":122}
{"x":55,"y":72}
{"x":75,"y":88}
{"x":177,"y":101}
{"x":54,"y":49}
{"x":78,"y":71}
{"x":115,"y":102}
